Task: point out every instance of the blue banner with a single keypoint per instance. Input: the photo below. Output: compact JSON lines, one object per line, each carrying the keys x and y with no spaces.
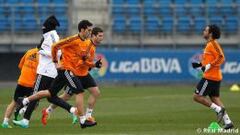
{"x":157,"y":65}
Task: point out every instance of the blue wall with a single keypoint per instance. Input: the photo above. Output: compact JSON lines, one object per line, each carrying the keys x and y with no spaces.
{"x":157,"y":65}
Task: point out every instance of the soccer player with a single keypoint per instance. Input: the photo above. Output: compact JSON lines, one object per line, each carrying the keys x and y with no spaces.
{"x":209,"y":85}
{"x":46,"y":70}
{"x":87,"y":81}
{"x":76,"y":58}
{"x":26,"y":80}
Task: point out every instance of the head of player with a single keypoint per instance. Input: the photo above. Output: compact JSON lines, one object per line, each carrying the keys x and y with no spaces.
{"x":97,"y":35}
{"x":85,"y":29}
{"x":211,"y":32}
{"x":50,"y":24}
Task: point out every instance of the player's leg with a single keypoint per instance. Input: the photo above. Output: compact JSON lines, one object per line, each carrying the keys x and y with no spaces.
{"x":89,"y":83}
{"x":92,"y":99}
{"x":215,"y":98}
{"x":203,"y":89}
{"x":42,"y":83}
{"x":20,"y":91}
{"x":47,"y":111}
{"x":76,"y":86}
{"x":8,"y":113}
{"x":65,"y":96}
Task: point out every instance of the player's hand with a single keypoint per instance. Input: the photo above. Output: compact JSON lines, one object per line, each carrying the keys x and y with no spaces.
{"x":98,"y":64}
{"x":206,"y":67}
{"x":196,"y":64}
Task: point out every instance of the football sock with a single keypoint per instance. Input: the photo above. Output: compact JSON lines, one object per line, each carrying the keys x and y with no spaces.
{"x":215,"y":107}
{"x":49,"y":109}
{"x":226,"y":119}
{"x":25,"y":101}
{"x":5,"y":120}
{"x":89,"y":112}
{"x":73,"y":110}
{"x":82,"y":119}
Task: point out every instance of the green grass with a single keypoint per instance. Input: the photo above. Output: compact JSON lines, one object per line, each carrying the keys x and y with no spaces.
{"x":149,"y":110}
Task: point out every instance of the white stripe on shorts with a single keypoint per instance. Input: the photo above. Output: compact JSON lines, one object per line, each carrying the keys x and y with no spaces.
{"x":203,"y":87}
{"x":37,"y":84}
{"x":70,"y":79}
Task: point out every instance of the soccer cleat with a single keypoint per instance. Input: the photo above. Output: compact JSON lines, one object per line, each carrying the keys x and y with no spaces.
{"x":6,"y":125}
{"x":20,"y":123}
{"x":220,"y":115}
{"x":92,"y":119}
{"x":88,"y":123}
{"x":74,"y":118}
{"x":44,"y":116}
{"x":229,"y":126}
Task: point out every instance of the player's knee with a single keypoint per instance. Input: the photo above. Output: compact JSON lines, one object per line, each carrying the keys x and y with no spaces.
{"x":95,"y":92}
{"x":196,"y":97}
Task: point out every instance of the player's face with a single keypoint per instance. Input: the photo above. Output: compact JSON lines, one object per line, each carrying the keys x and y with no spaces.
{"x":87,"y":32}
{"x":99,"y":37}
{"x":206,"y":33}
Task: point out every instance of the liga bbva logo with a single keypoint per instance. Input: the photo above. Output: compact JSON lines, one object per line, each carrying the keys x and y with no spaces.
{"x":194,"y":72}
{"x":102,"y":71}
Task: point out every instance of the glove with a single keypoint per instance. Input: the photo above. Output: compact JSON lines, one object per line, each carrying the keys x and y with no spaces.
{"x":206,"y":67}
{"x":196,"y":64}
{"x":98,"y":64}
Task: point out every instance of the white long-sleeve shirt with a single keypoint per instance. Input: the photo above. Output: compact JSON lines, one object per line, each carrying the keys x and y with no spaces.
{"x":46,"y":67}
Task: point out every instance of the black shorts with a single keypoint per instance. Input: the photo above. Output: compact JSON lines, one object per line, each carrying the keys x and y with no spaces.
{"x":87,"y":82}
{"x":42,"y":83}
{"x":65,"y":77}
{"x":208,"y":88}
{"x":22,"y":91}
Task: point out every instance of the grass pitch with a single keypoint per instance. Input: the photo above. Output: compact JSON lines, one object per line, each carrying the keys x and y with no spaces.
{"x":145,"y":110}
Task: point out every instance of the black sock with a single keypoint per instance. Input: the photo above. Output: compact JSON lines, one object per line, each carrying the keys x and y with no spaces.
{"x":60,"y":102}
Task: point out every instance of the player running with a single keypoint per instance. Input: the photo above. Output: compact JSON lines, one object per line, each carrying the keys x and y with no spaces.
{"x":87,"y":81}
{"x":46,"y":71}
{"x":213,"y":58}
{"x":75,"y":59}
{"x":26,"y":80}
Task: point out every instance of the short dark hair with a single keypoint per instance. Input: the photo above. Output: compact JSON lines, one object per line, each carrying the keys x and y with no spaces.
{"x":215,"y":30}
{"x":84,"y":24}
{"x":96,"y":30}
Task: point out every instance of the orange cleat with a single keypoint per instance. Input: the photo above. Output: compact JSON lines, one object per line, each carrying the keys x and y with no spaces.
{"x":44,"y":116}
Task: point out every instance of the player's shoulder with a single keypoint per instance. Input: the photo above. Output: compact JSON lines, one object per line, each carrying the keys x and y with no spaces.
{"x":88,"y":41}
{"x":69,"y":39}
{"x":33,"y":50}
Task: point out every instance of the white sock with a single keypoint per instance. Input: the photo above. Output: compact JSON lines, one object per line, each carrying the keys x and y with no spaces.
{"x":25,"y":101}
{"x":73,"y":110}
{"x":49,"y":109}
{"x":215,"y":107}
{"x":5,"y":120}
{"x":89,"y":112}
{"x":26,"y":121}
{"x":82,"y":119}
{"x":226,"y":119}
{"x":23,"y":110}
